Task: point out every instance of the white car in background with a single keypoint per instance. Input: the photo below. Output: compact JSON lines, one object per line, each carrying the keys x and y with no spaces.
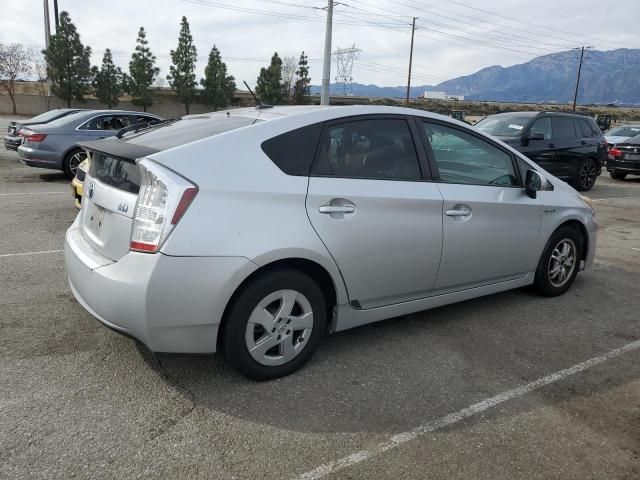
{"x":621,"y":134}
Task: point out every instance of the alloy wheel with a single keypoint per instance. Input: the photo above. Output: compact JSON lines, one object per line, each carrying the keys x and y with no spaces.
{"x":588,"y":174}
{"x":562,"y":262}
{"x":279,"y":327}
{"x":75,"y":160}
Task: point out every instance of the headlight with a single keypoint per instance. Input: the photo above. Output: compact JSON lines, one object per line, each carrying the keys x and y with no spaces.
{"x":588,"y":201}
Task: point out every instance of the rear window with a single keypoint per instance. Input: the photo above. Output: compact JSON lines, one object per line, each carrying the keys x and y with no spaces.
{"x":120,"y":174}
{"x":187,"y":130}
{"x":293,"y":151}
{"x":50,"y":115}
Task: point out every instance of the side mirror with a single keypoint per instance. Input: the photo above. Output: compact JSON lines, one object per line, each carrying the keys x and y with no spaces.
{"x":536,"y":136}
{"x":533,"y":183}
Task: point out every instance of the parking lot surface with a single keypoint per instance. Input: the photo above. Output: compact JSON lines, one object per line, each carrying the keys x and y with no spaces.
{"x":507,"y":386}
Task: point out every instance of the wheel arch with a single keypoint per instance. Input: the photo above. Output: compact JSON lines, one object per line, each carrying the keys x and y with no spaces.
{"x":332,"y":288}
{"x":580,"y":227}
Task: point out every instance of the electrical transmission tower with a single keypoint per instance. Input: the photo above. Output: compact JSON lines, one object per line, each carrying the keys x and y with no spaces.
{"x":345,"y":58}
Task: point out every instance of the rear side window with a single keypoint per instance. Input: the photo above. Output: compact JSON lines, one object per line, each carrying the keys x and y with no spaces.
{"x":107,"y":122}
{"x":376,"y":148}
{"x":563,"y":127}
{"x":293,"y":151}
{"x":584,"y":127}
{"x":118,"y":173}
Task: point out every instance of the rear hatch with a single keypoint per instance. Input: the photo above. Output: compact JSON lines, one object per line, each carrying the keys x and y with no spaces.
{"x":113,"y":181}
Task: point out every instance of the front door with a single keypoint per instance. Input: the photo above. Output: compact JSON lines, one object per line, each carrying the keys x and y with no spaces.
{"x":370,"y":206}
{"x":490,"y":227}
{"x":542,"y":151}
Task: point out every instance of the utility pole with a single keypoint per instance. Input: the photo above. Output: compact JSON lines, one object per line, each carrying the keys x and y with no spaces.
{"x":413,"y":31}
{"x":47,"y":37}
{"x":55,"y":12}
{"x":575,"y":95}
{"x":326,"y":68}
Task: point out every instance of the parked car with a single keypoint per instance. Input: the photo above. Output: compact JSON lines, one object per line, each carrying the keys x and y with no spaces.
{"x":54,"y":145}
{"x":281,"y":224}
{"x":569,"y":146}
{"x":624,"y":159}
{"x":622,"y":133}
{"x":13,"y":139}
{"x":78,"y":182}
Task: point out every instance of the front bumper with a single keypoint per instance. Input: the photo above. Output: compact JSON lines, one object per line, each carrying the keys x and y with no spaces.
{"x":34,"y":157}
{"x":171,"y":304}
{"x":12,"y":142}
{"x":592,"y":234}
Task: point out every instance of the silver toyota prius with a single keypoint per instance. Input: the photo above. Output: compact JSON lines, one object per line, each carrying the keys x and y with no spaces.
{"x":254,"y":232}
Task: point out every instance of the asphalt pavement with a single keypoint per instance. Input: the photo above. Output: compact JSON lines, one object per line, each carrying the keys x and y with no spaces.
{"x":507,"y":386}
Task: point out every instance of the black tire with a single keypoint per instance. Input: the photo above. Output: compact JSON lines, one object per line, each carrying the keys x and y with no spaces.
{"x":235,"y":324}
{"x":70,"y":162}
{"x":543,"y":282}
{"x":618,"y":175}
{"x":586,"y":176}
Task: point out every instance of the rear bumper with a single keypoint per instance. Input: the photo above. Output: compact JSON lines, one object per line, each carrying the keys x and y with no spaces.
{"x":624,"y":166}
{"x":171,"y":304}
{"x":76,"y":191}
{"x":11,"y":142}
{"x":34,"y":157}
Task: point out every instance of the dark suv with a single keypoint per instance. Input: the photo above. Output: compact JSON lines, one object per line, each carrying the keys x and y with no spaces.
{"x":569,"y":146}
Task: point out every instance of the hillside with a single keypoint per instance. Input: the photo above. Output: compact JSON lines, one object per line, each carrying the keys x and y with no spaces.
{"x":607,"y":77}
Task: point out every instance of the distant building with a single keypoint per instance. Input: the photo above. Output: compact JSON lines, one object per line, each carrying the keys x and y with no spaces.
{"x":435,"y":95}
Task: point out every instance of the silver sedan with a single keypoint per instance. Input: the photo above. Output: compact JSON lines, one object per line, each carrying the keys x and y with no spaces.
{"x":254,"y":232}
{"x":53,"y":145}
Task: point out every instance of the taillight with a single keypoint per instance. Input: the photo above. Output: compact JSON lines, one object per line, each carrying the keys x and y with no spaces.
{"x":162,"y":201}
{"x":614,"y":153}
{"x":32,"y":136}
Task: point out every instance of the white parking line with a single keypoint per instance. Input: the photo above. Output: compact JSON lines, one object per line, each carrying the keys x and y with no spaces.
{"x":29,"y":253}
{"x":613,"y":198}
{"x":34,"y":193}
{"x":452,"y":418}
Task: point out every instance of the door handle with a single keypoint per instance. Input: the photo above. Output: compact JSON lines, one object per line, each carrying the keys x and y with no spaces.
{"x":337,"y":209}
{"x":458,"y":213}
{"x":552,"y":145}
{"x":582,"y":142}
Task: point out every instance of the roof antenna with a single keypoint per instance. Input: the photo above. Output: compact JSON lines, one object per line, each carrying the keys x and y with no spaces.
{"x":259,"y":104}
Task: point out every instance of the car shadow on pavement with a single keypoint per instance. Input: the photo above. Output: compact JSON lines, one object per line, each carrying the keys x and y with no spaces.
{"x":391,"y":375}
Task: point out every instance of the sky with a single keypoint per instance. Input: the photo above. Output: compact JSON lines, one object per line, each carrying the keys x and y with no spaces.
{"x":453,"y":37}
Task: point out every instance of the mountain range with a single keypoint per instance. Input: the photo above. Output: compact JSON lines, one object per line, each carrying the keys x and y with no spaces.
{"x":607,"y":77}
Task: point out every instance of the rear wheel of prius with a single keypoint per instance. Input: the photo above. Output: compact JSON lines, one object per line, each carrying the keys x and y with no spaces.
{"x":274,"y":325}
{"x":72,"y":160}
{"x":587,"y":175}
{"x":560,"y":262}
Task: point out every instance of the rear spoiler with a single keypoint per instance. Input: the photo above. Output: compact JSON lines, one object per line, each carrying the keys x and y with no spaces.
{"x":117,"y":148}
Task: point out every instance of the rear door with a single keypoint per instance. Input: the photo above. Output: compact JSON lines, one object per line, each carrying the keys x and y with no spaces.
{"x":490,"y":227}
{"x":570,"y":152}
{"x":102,"y":126}
{"x":370,"y":205}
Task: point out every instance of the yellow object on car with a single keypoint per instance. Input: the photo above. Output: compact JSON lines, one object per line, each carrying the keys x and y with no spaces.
{"x":78,"y":181}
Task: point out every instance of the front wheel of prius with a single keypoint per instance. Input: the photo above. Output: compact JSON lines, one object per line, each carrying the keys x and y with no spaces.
{"x":274,"y":325}
{"x":560,"y":262}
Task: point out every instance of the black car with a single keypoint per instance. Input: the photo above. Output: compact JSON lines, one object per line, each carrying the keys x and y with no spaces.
{"x":13,"y":140}
{"x":569,"y":146}
{"x":624,"y":159}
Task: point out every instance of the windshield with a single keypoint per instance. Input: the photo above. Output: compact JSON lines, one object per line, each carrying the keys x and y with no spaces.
{"x":624,"y":131}
{"x":503,"y":126}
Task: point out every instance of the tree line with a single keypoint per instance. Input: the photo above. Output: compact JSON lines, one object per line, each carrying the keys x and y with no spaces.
{"x":67,"y":64}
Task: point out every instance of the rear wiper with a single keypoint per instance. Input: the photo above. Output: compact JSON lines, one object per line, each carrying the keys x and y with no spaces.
{"x":148,"y":125}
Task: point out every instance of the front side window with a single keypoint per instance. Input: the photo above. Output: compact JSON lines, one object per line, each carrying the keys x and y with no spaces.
{"x":466,"y":159}
{"x":543,"y":126}
{"x":563,"y":128}
{"x":376,"y":148}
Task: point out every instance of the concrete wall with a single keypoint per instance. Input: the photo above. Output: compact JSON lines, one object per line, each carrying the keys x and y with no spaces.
{"x":32,"y":105}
